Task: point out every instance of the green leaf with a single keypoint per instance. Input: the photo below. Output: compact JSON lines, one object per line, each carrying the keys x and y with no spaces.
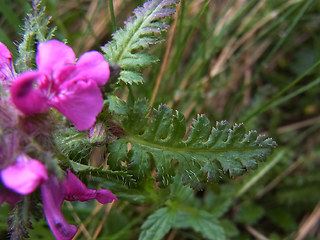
{"x":182,"y":211}
{"x":205,"y":155}
{"x":158,"y":224}
{"x":8,"y":13}
{"x":77,"y":147}
{"x":117,"y":105}
{"x":20,"y":221}
{"x":249,"y":214}
{"x":138,"y":60}
{"x":219,"y":202}
{"x":282,"y":218}
{"x":121,"y":176}
{"x":202,"y":222}
{"x":229,"y":228}
{"x":73,"y":144}
{"x":130,"y":77}
{"x":181,"y":194}
{"x":35,"y":28}
{"x":140,"y":31}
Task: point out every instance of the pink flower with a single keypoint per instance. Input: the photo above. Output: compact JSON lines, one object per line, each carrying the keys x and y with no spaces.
{"x":24,"y":176}
{"x":20,"y":174}
{"x":9,"y":196}
{"x":60,"y":83}
{"x":21,"y":178}
{"x":54,"y":193}
{"x":7,"y":74}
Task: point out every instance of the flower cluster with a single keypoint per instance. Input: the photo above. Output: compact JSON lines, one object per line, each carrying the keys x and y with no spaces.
{"x":71,"y":88}
{"x":60,"y":83}
{"x":53,"y":194}
{"x":6,"y":68}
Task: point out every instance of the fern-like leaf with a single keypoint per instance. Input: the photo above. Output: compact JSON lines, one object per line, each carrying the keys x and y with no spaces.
{"x":19,"y":222}
{"x":35,"y":28}
{"x":140,"y":31}
{"x":206,"y":154}
{"x":75,"y":145}
{"x":100,"y":172}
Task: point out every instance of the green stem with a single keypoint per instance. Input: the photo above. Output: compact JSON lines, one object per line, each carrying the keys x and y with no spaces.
{"x":301,"y":90}
{"x":149,"y":145}
{"x":269,"y":103}
{"x":282,"y":40}
{"x":126,"y":228}
{"x":89,"y":29}
{"x":260,"y":174}
{"x":131,"y":96}
{"x":113,"y":18}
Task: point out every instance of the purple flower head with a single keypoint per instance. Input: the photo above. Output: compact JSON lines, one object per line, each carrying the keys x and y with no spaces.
{"x":75,"y":190}
{"x":24,"y":176}
{"x":96,"y":131}
{"x":71,"y":88}
{"x":21,"y":178}
{"x":9,"y":196}
{"x":97,"y":134}
{"x":6,"y":69}
{"x":9,"y":137}
{"x":54,"y":193}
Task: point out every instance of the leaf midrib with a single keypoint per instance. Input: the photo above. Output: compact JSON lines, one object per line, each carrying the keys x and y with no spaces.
{"x":136,"y":34}
{"x":191,"y":150}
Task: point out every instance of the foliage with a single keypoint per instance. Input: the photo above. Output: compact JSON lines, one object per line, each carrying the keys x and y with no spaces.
{"x":73,"y":144}
{"x":35,"y":30}
{"x":181,"y":212}
{"x":209,"y":151}
{"x":255,"y":62}
{"x":140,"y":31}
{"x":20,"y":222}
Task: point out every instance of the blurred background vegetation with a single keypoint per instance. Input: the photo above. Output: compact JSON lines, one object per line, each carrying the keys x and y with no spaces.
{"x":253,"y":61}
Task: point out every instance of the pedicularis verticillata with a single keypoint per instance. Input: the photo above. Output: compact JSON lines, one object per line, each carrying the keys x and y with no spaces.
{"x":143,"y":155}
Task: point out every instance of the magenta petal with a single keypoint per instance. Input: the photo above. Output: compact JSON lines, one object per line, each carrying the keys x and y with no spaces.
{"x":64,"y":74}
{"x":9,"y":196}
{"x":52,"y":198}
{"x":93,"y":66}
{"x":25,"y":175}
{"x":26,"y":97}
{"x":6,"y":69}
{"x":105,"y":196}
{"x":80,"y":101}
{"x":75,"y":190}
{"x":52,"y":55}
{"x":4,"y":53}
